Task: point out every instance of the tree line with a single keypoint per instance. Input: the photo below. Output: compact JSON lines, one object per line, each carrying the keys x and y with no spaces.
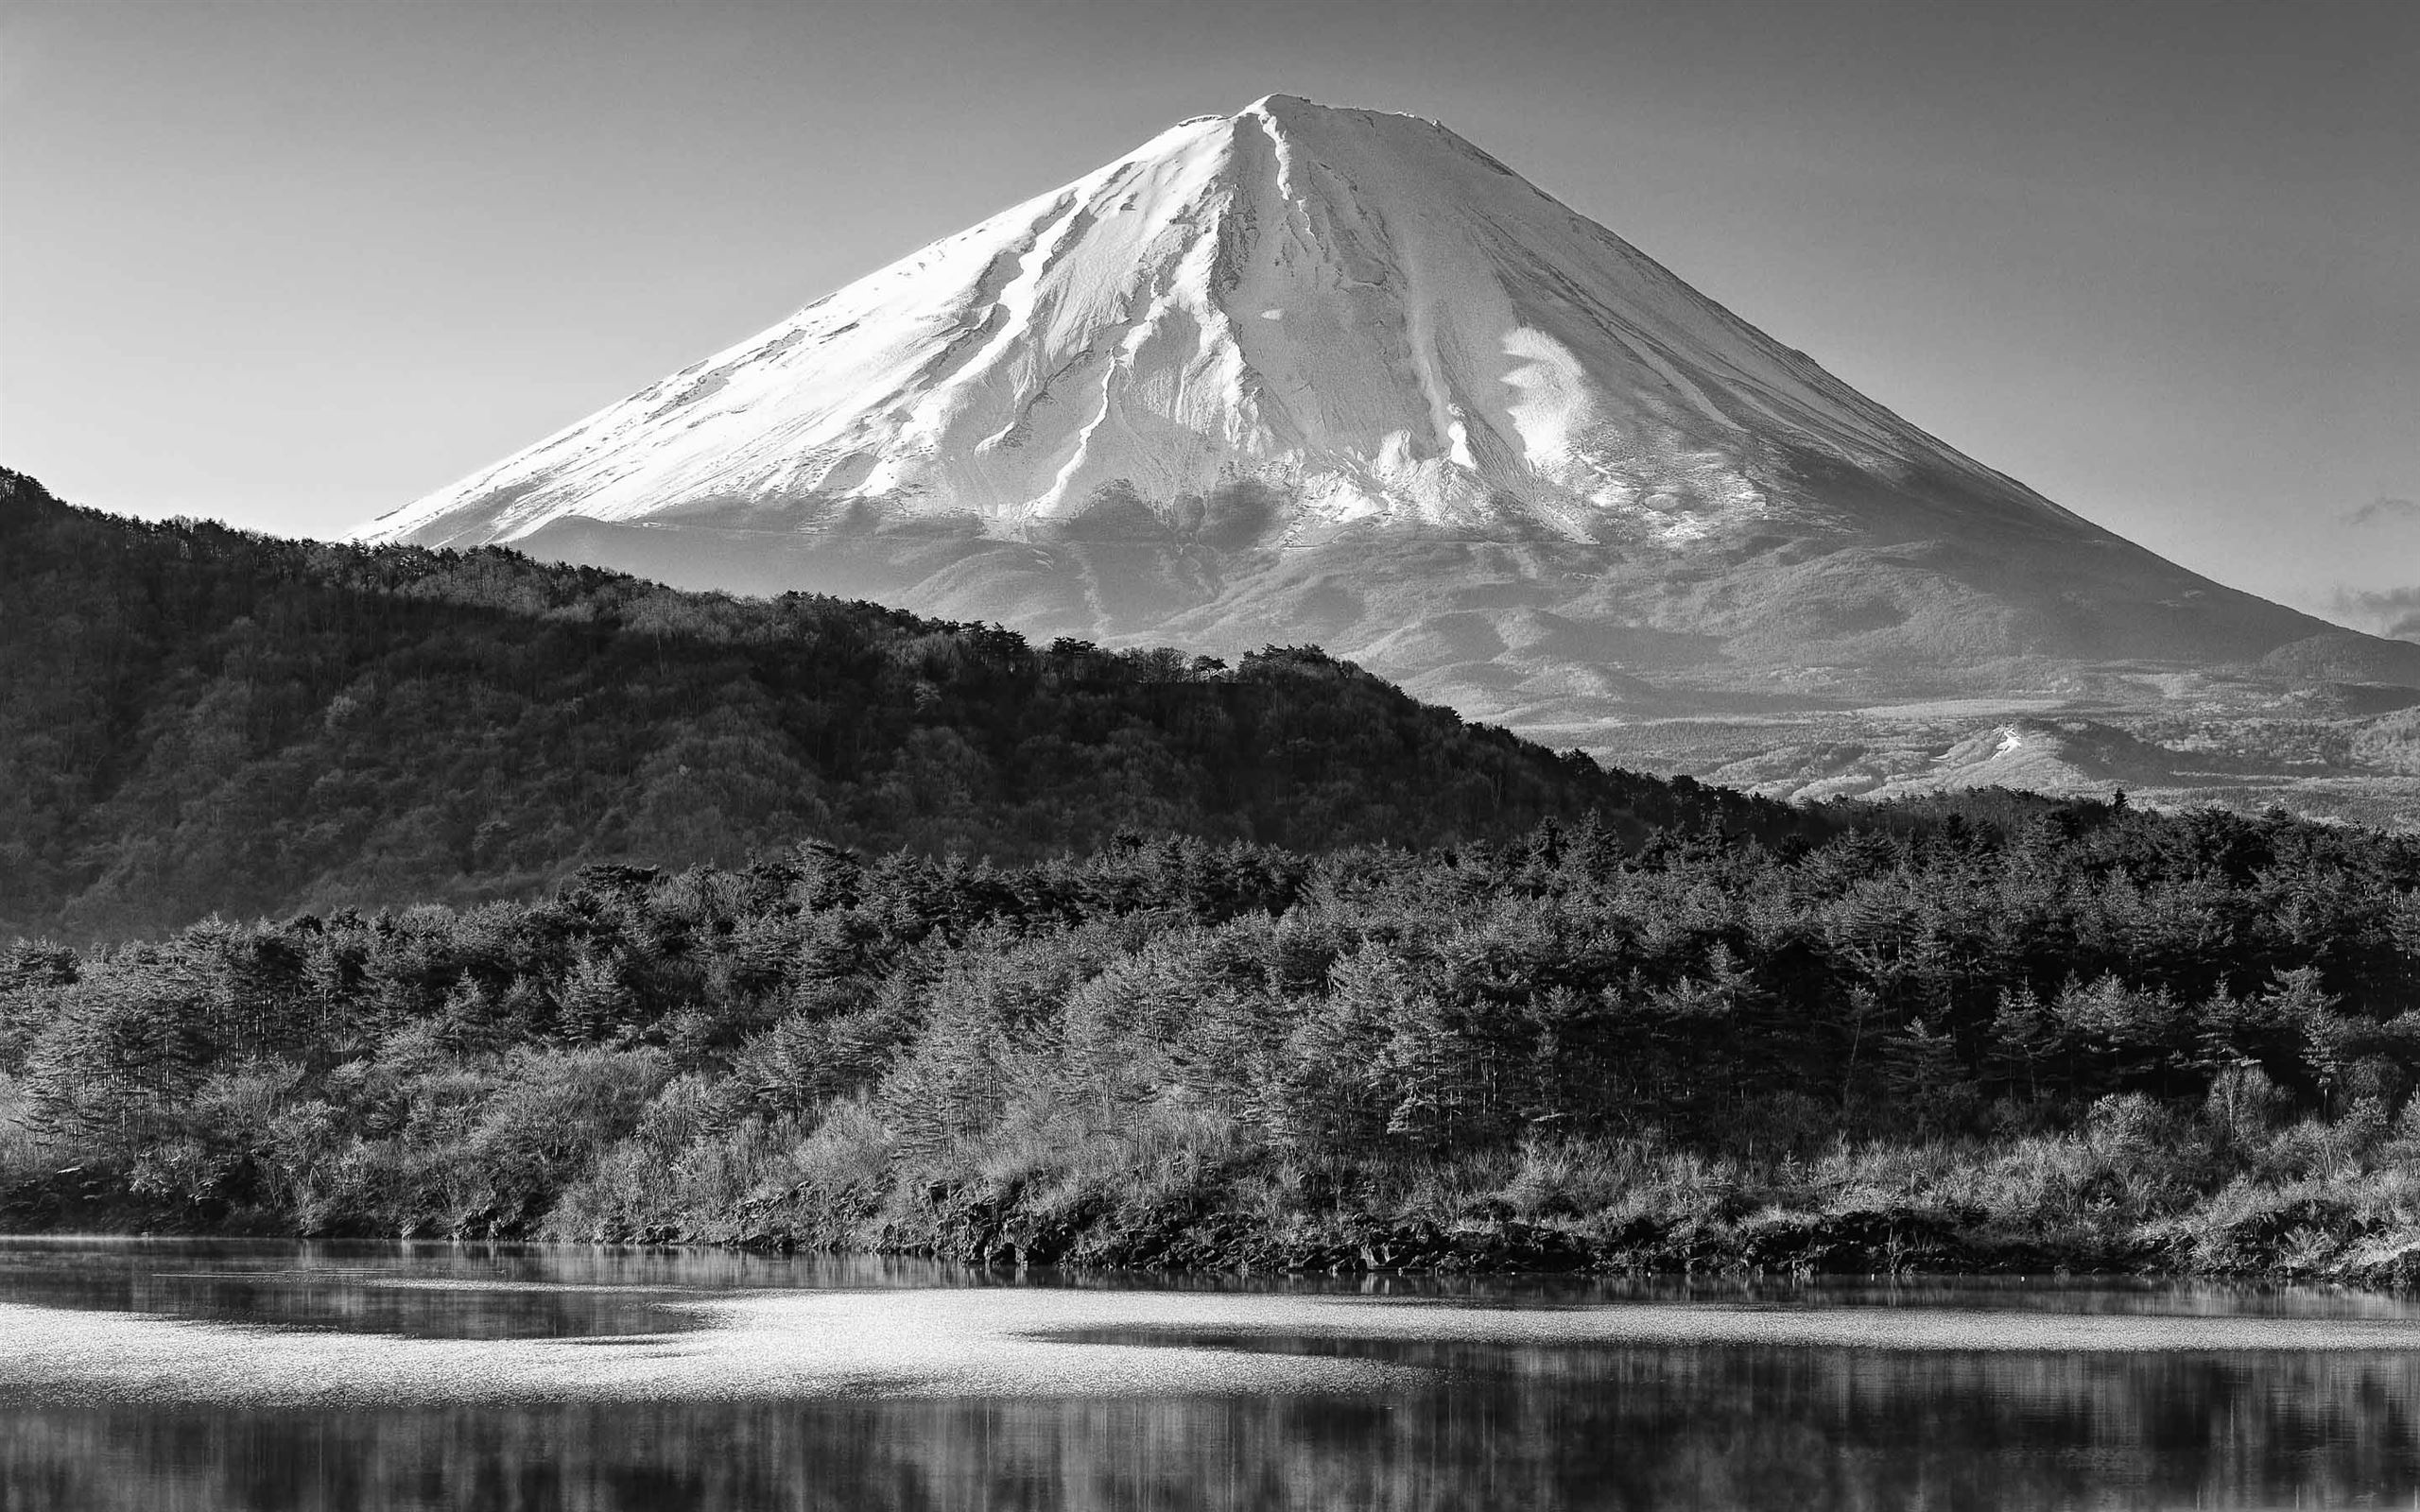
{"x":1995,"y":1025}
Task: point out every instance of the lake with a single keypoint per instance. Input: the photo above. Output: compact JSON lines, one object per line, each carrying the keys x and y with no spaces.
{"x":185,"y":1374}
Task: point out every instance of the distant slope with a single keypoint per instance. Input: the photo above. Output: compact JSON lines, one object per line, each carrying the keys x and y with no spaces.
{"x":196,"y":719}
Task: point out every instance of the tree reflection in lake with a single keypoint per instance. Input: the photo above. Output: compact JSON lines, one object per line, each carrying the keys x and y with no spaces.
{"x":1727,"y":1426}
{"x":1489,"y":1425}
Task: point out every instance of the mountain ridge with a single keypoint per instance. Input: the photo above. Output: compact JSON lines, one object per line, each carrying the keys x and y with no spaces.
{"x":196,"y":719}
{"x":1436,"y":263}
{"x":1304,"y":373}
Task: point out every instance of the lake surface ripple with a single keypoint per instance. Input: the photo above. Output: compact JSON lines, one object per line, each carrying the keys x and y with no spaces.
{"x":187,"y":1374}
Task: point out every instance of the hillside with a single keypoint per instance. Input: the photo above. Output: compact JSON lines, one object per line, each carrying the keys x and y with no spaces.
{"x":193,"y":719}
{"x":1687,"y":1030}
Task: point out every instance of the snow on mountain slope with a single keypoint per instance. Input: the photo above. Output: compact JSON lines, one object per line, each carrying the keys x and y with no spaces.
{"x":1359,"y":309}
{"x":1304,"y":374}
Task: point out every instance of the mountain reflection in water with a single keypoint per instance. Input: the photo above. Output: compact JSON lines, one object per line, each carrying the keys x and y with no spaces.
{"x":1458,"y":1423}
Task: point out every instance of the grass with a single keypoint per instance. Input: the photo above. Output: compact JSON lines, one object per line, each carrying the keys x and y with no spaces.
{"x":2132,"y":1186}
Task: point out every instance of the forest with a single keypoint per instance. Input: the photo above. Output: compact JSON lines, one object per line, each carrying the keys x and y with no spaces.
{"x":401,"y":891}
{"x":1988,"y":1031}
{"x":198,"y":720}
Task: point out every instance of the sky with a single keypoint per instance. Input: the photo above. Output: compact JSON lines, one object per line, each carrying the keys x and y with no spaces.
{"x":294,"y":265}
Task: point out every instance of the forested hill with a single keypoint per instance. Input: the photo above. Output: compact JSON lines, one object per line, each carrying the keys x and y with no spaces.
{"x":196,"y":719}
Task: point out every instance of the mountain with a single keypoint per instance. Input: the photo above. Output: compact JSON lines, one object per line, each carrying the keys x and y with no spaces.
{"x":196,"y":719}
{"x":1308,"y":375}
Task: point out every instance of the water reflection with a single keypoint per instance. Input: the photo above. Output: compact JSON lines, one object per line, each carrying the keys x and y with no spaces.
{"x":421,"y":1290}
{"x":1488,"y":1425}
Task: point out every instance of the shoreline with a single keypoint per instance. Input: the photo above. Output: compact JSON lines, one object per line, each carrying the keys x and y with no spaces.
{"x":1898,"y":1241}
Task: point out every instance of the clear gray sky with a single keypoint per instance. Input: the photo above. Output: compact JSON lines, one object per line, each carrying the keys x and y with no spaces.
{"x":292,"y":265}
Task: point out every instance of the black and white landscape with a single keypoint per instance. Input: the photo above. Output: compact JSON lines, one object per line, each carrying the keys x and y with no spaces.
{"x":1282,"y":829}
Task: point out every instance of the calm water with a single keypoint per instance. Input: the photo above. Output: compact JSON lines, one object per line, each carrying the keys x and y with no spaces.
{"x":179,"y":1375}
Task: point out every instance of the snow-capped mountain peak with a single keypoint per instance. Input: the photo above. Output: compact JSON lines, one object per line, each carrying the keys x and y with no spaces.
{"x":1358,"y":310}
{"x":1308,"y":374}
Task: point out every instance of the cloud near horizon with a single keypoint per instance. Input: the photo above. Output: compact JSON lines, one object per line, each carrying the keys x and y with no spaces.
{"x":2384,"y":511}
{"x":2393,"y":611}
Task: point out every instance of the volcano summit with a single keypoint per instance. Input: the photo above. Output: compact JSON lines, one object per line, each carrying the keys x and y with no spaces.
{"x":1308,"y":374}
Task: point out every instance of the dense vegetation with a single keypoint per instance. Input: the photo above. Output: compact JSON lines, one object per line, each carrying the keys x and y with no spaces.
{"x":1987,"y":1032}
{"x":198,"y":721}
{"x":1135,"y":960}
